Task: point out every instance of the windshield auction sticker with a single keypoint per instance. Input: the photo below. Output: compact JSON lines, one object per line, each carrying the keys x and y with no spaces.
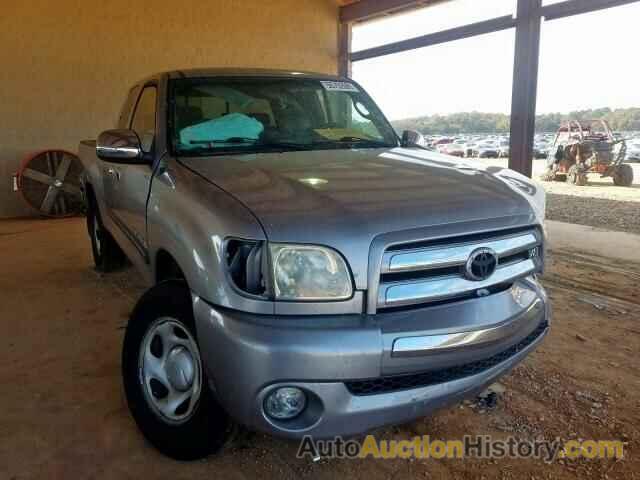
{"x":338,"y":86}
{"x":478,"y":446}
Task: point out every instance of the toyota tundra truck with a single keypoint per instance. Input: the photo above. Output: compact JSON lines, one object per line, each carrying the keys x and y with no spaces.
{"x":310,"y":272}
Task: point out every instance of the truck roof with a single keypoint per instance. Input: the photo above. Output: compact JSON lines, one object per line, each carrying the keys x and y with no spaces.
{"x":246,"y":72}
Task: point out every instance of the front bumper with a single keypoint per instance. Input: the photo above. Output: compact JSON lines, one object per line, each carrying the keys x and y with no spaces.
{"x":355,"y":376}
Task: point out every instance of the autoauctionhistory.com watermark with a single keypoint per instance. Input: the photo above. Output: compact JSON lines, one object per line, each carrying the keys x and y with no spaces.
{"x":470,"y":446}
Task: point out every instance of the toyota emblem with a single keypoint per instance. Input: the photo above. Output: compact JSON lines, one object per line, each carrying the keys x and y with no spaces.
{"x":481,"y":264}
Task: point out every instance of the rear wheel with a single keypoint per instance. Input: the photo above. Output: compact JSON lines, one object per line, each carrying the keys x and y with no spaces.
{"x":577,"y":176}
{"x":623,"y":176}
{"x":165,"y":382}
{"x":107,"y":255}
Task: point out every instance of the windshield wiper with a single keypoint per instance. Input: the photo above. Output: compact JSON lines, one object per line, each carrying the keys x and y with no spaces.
{"x":351,"y":141}
{"x":289,"y":145}
{"x":210,"y":150}
{"x":226,"y":140}
{"x":254,"y":142}
{"x":240,"y":145}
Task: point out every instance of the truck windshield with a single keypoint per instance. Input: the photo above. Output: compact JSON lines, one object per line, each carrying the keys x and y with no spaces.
{"x":258,"y":114}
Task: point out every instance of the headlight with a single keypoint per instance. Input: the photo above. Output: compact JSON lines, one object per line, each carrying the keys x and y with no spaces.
{"x":305,"y":272}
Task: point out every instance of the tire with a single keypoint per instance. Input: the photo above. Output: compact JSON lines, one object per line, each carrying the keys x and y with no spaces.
{"x":623,"y":176}
{"x":107,"y":255}
{"x":548,"y":176}
{"x":576,"y":176}
{"x":197,"y":426}
{"x":560,"y":177}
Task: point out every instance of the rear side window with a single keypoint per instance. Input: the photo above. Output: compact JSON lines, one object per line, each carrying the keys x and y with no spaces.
{"x":125,"y":113}
{"x":144,"y":118}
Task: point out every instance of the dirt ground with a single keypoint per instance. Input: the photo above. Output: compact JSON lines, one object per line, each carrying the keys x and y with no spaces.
{"x":63,"y":415}
{"x":598,"y":204}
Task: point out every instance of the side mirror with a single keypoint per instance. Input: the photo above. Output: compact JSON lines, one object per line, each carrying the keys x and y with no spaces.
{"x":411,"y":138}
{"x":119,"y":146}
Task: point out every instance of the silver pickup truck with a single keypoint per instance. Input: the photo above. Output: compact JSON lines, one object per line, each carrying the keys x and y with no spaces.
{"x":310,"y":272}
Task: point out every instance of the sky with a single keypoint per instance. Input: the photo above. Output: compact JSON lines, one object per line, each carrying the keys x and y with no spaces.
{"x":587,"y":61}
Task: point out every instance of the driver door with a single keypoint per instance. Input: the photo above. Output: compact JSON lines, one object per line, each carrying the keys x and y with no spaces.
{"x":126,"y":185}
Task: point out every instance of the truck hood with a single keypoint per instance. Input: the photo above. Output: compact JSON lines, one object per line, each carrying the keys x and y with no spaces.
{"x":345,"y":198}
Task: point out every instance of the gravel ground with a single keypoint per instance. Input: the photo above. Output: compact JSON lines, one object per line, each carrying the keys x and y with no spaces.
{"x":595,"y":212}
{"x":598,"y":204}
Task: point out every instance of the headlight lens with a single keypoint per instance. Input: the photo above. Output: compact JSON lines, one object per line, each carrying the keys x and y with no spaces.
{"x":306,"y":272}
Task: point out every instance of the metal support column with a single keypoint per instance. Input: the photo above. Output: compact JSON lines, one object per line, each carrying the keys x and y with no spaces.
{"x":344,"y":49}
{"x":525,"y":85}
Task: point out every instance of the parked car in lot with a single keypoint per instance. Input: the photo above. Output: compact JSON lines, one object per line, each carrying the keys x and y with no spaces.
{"x":504,"y":149}
{"x":541,"y":150}
{"x":468,"y":149}
{"x":436,"y":142}
{"x":310,"y":273}
{"x":485,"y":150}
{"x":633,"y":151}
{"x":454,"y":149}
{"x":441,"y":147}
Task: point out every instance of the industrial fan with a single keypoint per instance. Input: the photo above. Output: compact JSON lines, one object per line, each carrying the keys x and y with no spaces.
{"x":50,"y":182}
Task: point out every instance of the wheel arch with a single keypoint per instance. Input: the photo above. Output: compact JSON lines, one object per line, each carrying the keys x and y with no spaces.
{"x":166,"y":267}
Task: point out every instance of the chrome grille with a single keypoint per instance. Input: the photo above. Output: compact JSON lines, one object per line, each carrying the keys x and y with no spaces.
{"x":435,"y":272}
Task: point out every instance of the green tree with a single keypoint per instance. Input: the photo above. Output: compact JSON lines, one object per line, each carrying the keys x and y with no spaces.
{"x":621,"y":119}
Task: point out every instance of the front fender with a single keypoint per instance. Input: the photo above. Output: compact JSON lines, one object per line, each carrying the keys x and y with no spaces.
{"x":190,"y":218}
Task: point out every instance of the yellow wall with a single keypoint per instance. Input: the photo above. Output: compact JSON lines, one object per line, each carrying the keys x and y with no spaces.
{"x":65,"y":65}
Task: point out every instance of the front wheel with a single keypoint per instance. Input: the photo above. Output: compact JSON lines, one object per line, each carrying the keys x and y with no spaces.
{"x":164,"y":379}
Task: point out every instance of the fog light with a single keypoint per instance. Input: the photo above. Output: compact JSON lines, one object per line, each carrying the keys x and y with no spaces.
{"x":285,"y":403}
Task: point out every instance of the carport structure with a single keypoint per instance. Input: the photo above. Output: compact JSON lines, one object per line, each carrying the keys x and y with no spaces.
{"x":526,"y":21}
{"x":64,"y":81}
{"x":63,"y":410}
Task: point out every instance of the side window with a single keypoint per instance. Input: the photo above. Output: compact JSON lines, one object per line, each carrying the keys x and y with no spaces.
{"x":144,"y":118}
{"x":125,"y":113}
